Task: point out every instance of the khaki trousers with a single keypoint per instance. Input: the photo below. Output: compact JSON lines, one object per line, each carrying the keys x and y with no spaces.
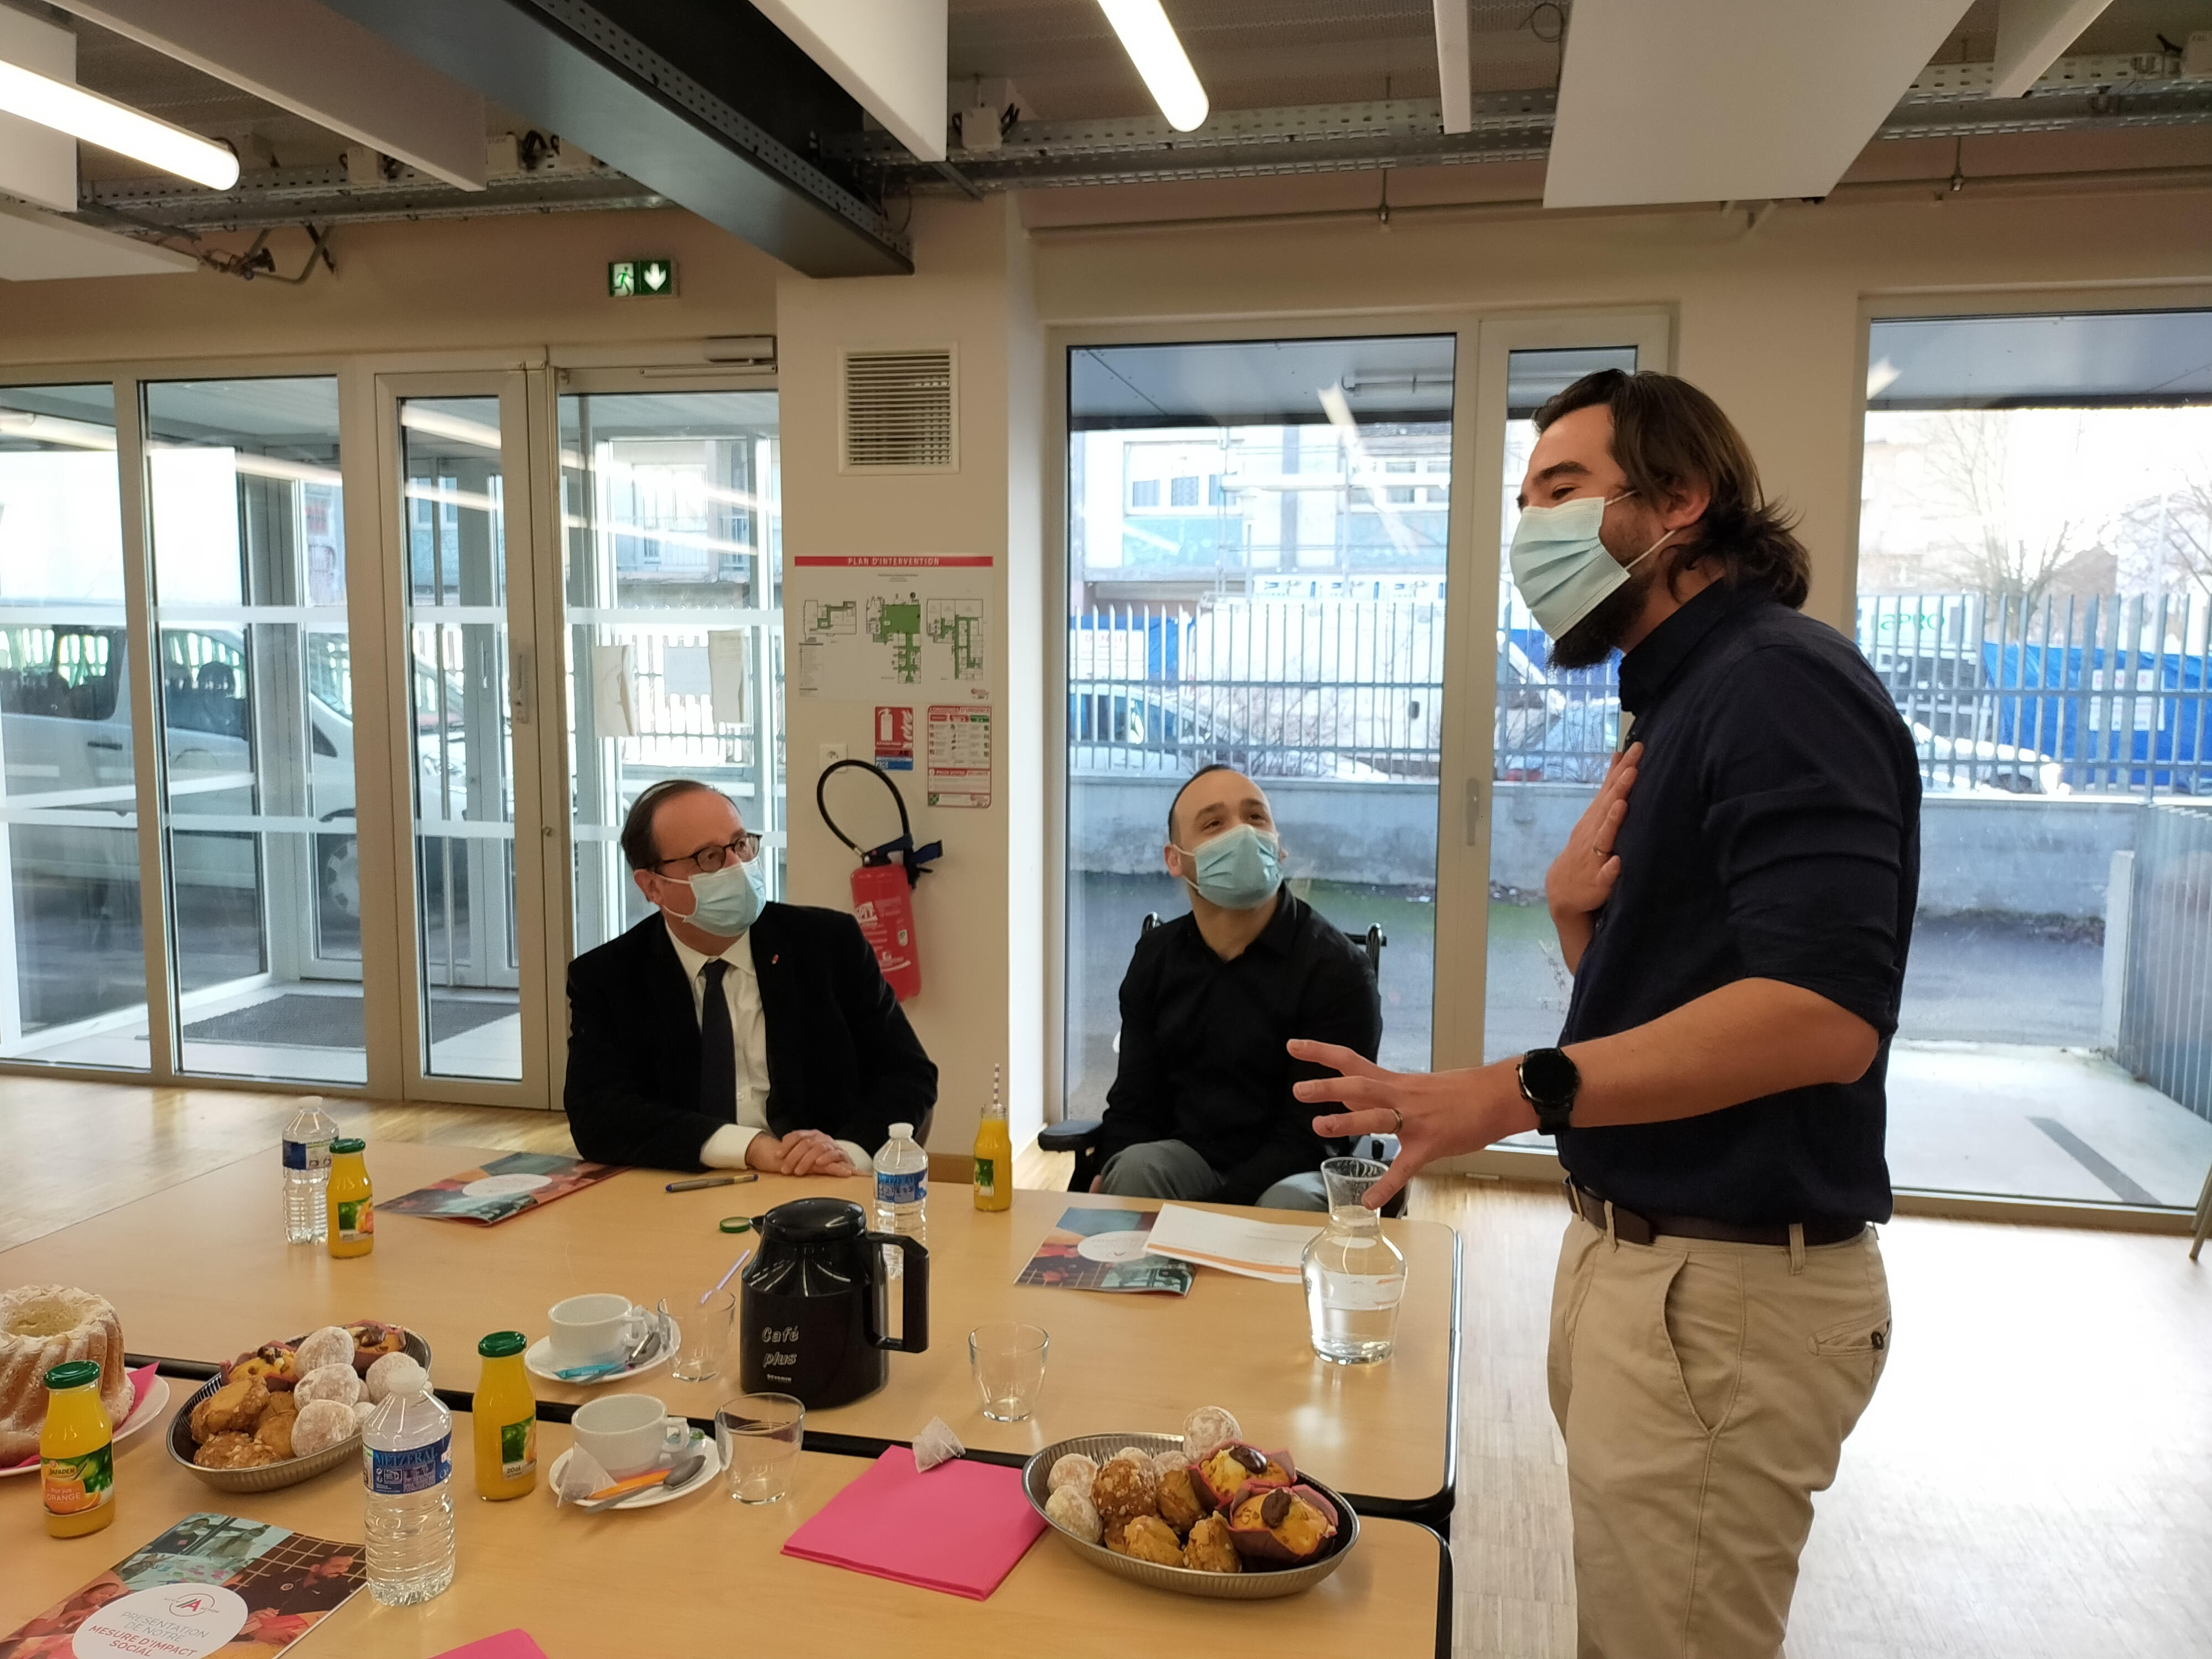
{"x":1705,"y":1390}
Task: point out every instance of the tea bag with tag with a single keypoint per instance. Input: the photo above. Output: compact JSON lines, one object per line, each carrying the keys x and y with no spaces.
{"x":581,"y":1477}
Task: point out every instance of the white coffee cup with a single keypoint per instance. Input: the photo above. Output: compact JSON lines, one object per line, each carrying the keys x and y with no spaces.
{"x":594,"y":1330}
{"x":627,"y":1433}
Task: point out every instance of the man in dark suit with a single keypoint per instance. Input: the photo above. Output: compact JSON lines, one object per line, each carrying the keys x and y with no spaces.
{"x":726,"y":1031}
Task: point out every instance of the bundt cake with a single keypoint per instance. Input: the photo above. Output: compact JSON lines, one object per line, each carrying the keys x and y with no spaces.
{"x":40,"y":1326}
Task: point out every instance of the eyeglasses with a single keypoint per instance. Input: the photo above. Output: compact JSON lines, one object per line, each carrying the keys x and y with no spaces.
{"x":708,"y":859}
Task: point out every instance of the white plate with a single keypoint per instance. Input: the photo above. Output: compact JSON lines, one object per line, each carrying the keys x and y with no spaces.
{"x":538,"y":1360}
{"x":157,"y":1400}
{"x":653,"y":1495}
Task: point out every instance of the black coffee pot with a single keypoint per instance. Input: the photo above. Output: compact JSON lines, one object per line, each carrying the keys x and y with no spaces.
{"x":812,"y":1300}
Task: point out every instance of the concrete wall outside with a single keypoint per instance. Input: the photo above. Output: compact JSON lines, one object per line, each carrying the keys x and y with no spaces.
{"x":2021,"y":856}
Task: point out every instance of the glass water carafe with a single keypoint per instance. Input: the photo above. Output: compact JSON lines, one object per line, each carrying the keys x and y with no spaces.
{"x":1355,"y":1278}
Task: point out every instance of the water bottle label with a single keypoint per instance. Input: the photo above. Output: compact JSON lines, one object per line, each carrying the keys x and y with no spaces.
{"x":419,"y":1468}
{"x":909,"y":1187}
{"x":307,"y":1154}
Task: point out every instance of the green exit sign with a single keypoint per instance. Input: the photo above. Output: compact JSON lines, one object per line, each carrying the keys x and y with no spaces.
{"x":640,"y":279}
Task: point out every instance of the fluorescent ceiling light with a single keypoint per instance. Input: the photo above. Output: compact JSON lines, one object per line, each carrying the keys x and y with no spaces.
{"x":111,"y":125}
{"x":1150,"y":40}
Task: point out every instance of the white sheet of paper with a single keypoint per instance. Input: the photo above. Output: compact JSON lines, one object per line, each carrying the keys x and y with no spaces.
{"x":725,"y":675}
{"x":684,"y":671}
{"x":610,"y":695}
{"x":1257,"y":1249}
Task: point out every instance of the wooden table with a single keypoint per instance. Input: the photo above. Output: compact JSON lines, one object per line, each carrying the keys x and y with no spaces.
{"x":705,"y":1575}
{"x":200,"y":1272}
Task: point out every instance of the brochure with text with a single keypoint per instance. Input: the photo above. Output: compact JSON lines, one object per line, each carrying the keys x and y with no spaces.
{"x":1093,"y":1249}
{"x":211,"y":1584}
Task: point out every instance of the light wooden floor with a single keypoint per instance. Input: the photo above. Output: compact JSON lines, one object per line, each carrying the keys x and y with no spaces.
{"x":2033,"y":1480}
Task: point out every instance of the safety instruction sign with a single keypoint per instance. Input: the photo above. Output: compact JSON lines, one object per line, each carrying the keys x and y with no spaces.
{"x":894,"y":739}
{"x":873,"y":626}
{"x":959,"y":754}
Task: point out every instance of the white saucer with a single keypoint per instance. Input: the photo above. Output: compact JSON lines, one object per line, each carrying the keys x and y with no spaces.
{"x":157,"y":1399}
{"x":653,"y":1495}
{"x":538,"y":1358}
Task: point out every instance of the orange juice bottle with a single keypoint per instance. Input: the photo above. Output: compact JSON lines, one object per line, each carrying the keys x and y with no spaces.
{"x":994,"y":1154}
{"x":351,"y":1202}
{"x":506,"y":1415}
{"x":76,"y":1452}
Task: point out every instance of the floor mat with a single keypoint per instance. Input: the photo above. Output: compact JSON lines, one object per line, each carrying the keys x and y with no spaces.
{"x":311,"y":1022}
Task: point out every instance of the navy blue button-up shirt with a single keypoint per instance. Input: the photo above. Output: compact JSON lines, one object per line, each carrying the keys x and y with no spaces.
{"x":1773,"y":833}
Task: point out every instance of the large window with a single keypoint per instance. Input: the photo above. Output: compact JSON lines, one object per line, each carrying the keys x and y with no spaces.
{"x":72,"y":958}
{"x":674,"y":551}
{"x":245,"y":499}
{"x":2035,"y":579}
{"x":1257,"y":551}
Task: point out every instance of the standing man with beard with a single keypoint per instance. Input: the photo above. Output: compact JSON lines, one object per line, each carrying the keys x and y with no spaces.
{"x":1736,"y":906}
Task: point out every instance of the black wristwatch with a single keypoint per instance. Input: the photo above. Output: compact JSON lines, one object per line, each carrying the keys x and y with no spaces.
{"x":1549,"y":1082}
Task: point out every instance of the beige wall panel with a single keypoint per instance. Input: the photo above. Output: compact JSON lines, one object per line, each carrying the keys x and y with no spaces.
{"x":448,"y":284}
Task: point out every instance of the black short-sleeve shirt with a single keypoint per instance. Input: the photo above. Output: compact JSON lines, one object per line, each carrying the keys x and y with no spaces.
{"x":1773,"y":833}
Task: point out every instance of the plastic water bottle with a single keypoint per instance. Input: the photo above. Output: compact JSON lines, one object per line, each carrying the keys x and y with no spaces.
{"x":903,"y":1188}
{"x":307,"y":1139}
{"x":407,"y":1447}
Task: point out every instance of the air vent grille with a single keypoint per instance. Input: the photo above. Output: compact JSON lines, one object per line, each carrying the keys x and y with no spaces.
{"x":898,"y":411}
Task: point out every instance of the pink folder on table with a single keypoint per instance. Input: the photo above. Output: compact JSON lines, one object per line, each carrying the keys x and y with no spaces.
{"x":958,"y":1528}
{"x":508,"y":1645}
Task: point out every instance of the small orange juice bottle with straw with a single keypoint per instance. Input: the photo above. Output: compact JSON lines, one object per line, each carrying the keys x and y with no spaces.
{"x":994,"y":1154}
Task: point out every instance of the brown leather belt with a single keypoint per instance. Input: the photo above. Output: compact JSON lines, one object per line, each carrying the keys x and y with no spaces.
{"x":1636,"y":1229}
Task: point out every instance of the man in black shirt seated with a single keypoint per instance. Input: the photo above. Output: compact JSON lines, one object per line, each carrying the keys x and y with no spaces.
{"x":1201,"y":1106}
{"x":728,"y":1031}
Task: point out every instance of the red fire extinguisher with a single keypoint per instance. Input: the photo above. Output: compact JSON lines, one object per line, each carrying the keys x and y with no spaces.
{"x":883,"y":891}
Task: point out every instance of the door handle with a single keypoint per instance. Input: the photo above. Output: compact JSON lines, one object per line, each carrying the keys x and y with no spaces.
{"x":521,"y":685}
{"x":1473,"y":812}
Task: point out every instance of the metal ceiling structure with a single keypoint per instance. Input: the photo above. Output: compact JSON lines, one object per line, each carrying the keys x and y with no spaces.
{"x":2078,"y":95}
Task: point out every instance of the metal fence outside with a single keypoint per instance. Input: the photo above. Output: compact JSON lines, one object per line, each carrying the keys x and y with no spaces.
{"x":2166,"y":1018}
{"x":2105,"y":695}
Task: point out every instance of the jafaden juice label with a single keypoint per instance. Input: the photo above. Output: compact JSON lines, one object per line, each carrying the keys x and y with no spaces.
{"x":75,"y":1484}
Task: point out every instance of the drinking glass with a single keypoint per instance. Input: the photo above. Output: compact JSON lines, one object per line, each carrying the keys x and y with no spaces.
{"x":1355,"y":1278}
{"x":1008,"y":1361}
{"x":705,"y":1327}
{"x":759,"y":1435}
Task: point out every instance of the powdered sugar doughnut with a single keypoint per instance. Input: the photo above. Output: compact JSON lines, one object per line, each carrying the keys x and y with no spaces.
{"x":340,"y":1383}
{"x":1133,"y":1455}
{"x":1070,"y":1509}
{"x":1072,"y":1469}
{"x":1206,"y":1428}
{"x":330,"y":1346}
{"x":322,"y":1424}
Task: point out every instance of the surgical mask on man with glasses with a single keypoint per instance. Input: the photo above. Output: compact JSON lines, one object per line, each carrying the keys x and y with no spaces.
{"x":1238,"y":869}
{"x":726,"y":899}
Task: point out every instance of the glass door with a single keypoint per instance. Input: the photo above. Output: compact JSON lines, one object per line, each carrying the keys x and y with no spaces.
{"x":672,"y":536}
{"x":459,"y":489}
{"x":1258,"y":544}
{"x":1534,"y":759}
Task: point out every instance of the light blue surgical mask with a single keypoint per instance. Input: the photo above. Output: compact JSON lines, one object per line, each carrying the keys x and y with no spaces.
{"x":1560,"y":565}
{"x":727,"y":900}
{"x":1239,"y":869}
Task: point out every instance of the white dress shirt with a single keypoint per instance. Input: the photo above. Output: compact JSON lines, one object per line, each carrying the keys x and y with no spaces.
{"x":726,"y":1147}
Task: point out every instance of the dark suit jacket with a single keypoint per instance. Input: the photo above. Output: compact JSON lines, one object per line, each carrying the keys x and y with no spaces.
{"x":840,"y":1055}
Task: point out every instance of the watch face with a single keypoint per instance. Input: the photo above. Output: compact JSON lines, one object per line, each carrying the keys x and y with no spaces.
{"x":1550,"y":1075}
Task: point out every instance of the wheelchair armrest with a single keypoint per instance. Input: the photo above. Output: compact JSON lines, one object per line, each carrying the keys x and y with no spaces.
{"x":1071,"y":1134}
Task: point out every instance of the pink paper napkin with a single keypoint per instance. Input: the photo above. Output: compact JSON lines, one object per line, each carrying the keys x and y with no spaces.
{"x":958,"y":1528}
{"x":508,"y":1645}
{"x":141,"y":1384}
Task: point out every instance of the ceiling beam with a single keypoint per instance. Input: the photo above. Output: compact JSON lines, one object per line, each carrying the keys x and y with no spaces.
{"x":889,"y":54}
{"x":36,"y":245}
{"x":2032,"y":36}
{"x":653,"y":87}
{"x":1455,"y":74}
{"x":1715,"y":100}
{"x":304,"y":58}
